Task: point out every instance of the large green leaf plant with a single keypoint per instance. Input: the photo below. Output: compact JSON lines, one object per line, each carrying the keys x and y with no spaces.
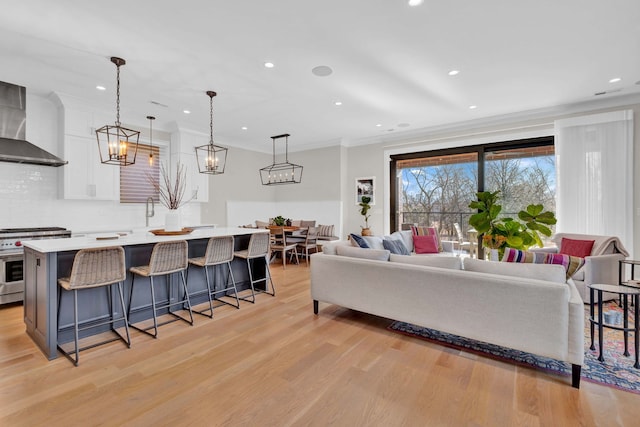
{"x":503,"y":232}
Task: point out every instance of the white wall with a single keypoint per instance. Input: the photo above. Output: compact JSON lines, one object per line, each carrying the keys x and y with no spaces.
{"x":29,"y":194}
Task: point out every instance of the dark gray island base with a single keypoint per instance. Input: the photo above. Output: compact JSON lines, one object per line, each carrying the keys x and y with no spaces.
{"x":45,"y":262}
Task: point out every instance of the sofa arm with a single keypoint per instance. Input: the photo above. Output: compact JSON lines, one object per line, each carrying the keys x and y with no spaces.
{"x":602,"y":269}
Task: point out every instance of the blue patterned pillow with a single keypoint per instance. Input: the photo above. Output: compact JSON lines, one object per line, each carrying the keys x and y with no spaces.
{"x":359,"y":240}
{"x":395,"y":246}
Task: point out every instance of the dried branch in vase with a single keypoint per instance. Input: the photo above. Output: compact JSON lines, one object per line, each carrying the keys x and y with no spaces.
{"x":171,"y":192}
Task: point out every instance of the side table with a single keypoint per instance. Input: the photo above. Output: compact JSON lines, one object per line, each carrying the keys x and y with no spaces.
{"x":624,"y":293}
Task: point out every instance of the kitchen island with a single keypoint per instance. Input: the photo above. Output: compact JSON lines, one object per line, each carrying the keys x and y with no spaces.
{"x":47,"y":260}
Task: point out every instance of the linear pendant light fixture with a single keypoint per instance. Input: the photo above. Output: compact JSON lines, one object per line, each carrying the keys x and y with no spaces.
{"x":211,"y":158}
{"x":117,"y":145}
{"x":284,"y":172}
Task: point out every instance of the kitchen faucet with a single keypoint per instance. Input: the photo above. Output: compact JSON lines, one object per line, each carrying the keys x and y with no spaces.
{"x":153,"y":210}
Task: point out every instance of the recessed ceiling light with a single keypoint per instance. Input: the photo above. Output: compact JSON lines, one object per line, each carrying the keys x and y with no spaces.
{"x":378,"y":125}
{"x":101,"y":87}
{"x":244,"y":128}
{"x":415,"y":2}
{"x":186,"y":111}
{"x":473,"y":107}
{"x":269,"y":64}
{"x":338,"y":103}
{"x":615,"y":80}
{"x":322,"y":71}
{"x":454,"y":72}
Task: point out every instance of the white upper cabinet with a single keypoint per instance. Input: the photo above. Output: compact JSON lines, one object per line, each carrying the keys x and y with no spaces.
{"x":85,"y":178}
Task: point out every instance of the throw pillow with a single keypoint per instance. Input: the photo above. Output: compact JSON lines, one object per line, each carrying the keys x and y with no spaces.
{"x":426,"y":244}
{"x":374,"y":254}
{"x":406,"y":237}
{"x":374,"y":242}
{"x":417,"y":230}
{"x":395,"y":246}
{"x":579,"y":248}
{"x":325,"y":230}
{"x":359,"y":241}
{"x":571,"y":263}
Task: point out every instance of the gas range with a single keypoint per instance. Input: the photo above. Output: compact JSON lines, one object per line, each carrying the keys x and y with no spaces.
{"x":12,"y":257}
{"x":11,"y":238}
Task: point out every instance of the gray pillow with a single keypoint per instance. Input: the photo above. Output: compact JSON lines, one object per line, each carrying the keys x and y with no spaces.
{"x":374,"y":242}
{"x":395,"y":246}
{"x":374,"y":254}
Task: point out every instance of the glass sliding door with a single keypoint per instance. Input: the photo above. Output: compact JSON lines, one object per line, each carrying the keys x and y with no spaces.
{"x":436,"y":191}
{"x":523,"y":176}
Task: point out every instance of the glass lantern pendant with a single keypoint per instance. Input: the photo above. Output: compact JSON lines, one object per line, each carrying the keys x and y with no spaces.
{"x":117,"y":145}
{"x":211,"y":158}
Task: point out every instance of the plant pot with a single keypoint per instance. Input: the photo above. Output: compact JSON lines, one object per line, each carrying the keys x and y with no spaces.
{"x":366,"y":232}
{"x":173,"y":220}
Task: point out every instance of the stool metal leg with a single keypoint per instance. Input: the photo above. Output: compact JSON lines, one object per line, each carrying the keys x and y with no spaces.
{"x":124,"y":314}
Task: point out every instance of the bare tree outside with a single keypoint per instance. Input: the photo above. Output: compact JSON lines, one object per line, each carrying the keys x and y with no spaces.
{"x":438,"y":192}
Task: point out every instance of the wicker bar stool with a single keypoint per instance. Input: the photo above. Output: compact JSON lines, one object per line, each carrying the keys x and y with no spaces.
{"x":219,"y":251}
{"x":258,"y":248}
{"x":94,"y":268}
{"x":166,"y":258}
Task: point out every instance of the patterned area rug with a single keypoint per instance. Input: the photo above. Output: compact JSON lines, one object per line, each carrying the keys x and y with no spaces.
{"x":616,"y":371}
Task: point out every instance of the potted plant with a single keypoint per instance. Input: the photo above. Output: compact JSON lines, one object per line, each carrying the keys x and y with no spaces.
{"x":364,"y":211}
{"x":279,"y":220}
{"x":500,"y":233}
{"x":171,"y":194}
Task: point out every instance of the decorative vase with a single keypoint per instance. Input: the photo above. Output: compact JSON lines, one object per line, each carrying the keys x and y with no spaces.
{"x":173,"y":220}
{"x":366,"y":232}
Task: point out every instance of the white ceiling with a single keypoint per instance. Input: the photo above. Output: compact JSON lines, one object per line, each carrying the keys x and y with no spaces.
{"x":390,"y":61}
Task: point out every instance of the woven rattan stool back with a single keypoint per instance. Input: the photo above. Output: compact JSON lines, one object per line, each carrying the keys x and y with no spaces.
{"x":169,"y":257}
{"x":97,"y":267}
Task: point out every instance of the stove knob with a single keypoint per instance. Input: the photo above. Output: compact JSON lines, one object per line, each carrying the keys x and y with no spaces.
{"x":18,"y":243}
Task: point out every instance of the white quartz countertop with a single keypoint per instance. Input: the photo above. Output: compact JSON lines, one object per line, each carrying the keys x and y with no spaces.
{"x":102,"y":240}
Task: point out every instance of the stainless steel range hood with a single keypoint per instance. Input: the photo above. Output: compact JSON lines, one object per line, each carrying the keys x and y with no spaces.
{"x":13,"y":121}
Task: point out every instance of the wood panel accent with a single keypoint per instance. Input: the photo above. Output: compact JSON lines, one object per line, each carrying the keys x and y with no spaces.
{"x":277,"y":364}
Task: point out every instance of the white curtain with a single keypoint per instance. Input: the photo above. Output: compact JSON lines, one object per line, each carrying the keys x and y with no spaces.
{"x":594,"y":166}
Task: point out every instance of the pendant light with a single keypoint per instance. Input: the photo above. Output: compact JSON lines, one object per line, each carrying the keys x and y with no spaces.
{"x":211,"y":158}
{"x":281,"y":173}
{"x":117,"y":145}
{"x":151,"y":119}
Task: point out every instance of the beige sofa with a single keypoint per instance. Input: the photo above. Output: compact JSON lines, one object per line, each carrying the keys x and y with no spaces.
{"x":602,"y":266}
{"x":544,"y":317}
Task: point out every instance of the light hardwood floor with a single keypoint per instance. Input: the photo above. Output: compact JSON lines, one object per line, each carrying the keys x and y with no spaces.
{"x":277,"y":364}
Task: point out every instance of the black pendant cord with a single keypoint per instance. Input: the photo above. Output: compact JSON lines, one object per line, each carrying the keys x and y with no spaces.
{"x":118,"y":95}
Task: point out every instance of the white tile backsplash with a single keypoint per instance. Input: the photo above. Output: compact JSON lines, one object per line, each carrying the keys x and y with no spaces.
{"x":29,"y":198}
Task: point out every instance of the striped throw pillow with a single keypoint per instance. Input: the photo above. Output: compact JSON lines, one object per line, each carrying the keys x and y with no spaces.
{"x":325,"y":230}
{"x":571,"y":263}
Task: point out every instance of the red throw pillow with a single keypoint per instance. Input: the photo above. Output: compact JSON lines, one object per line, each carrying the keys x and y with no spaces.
{"x":579,"y":248}
{"x":426,"y":244}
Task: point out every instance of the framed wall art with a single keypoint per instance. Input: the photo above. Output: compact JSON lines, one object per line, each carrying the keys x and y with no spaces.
{"x":366,"y":187}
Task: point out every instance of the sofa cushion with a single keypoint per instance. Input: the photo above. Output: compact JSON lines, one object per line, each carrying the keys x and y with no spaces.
{"x":396,"y":246}
{"x":450,"y":262}
{"x":261,"y":224}
{"x":358,"y":241}
{"x":307,"y":224}
{"x":425,"y":244}
{"x":374,"y":254}
{"x":329,"y":248}
{"x":573,"y":247}
{"x":406,"y":236}
{"x":417,"y":230}
{"x":570,"y":263}
{"x":551,"y":273}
